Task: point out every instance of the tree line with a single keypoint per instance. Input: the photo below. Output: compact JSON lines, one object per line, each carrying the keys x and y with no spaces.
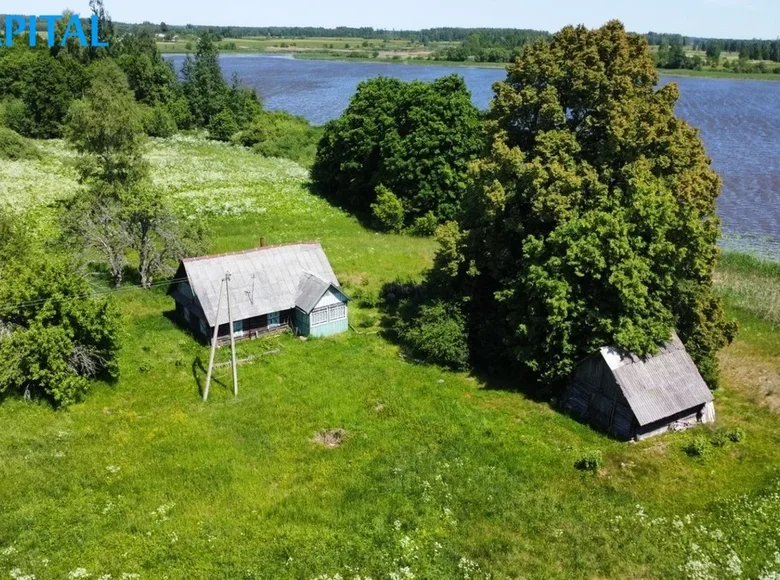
{"x":578,"y":212}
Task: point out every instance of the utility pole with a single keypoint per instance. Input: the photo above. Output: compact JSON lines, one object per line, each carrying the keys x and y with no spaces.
{"x":213,"y":343}
{"x":232,"y":337}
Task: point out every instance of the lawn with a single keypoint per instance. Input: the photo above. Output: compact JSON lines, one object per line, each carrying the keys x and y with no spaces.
{"x":440,"y":474}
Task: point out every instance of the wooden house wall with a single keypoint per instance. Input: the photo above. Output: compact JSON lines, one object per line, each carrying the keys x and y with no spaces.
{"x":595,"y":397}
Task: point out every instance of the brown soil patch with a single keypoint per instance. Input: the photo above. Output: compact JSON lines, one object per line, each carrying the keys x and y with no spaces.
{"x":330,"y":438}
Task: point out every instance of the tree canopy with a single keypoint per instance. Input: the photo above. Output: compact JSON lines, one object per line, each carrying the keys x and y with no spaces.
{"x":591,"y":220}
{"x":416,"y":139}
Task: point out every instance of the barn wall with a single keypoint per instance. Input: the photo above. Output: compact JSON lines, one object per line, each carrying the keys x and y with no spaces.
{"x":596,"y":398}
{"x":301,"y":322}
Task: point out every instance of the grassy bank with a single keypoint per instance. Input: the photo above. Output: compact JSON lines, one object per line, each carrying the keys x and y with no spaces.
{"x":441,"y":474}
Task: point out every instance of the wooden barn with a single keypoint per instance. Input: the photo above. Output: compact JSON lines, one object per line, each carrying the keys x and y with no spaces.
{"x":271,"y":288}
{"x":635,"y":398}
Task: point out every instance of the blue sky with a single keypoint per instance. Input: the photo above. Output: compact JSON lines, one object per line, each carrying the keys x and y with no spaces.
{"x":716,"y":18}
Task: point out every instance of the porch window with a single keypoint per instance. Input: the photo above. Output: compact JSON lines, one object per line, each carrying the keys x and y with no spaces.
{"x":238,"y":328}
{"x":319,"y":316}
{"x":274,"y":319}
{"x":338,"y":312}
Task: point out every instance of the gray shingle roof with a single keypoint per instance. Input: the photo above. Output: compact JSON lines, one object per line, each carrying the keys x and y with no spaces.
{"x":661,"y":385}
{"x":262,"y":280}
{"x":311,"y":289}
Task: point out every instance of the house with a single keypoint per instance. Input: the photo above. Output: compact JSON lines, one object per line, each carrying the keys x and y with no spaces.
{"x":272,"y":288}
{"x":635,"y":398}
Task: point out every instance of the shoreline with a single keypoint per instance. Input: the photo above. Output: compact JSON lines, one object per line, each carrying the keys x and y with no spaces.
{"x":327,"y":57}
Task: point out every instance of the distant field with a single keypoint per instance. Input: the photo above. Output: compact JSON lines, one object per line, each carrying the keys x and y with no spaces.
{"x":441,"y":475}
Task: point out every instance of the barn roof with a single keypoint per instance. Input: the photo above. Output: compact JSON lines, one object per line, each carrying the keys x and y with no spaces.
{"x":263,"y":280}
{"x":658,"y":386}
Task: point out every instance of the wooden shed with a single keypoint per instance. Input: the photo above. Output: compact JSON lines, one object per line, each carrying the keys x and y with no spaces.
{"x":271,"y":288}
{"x":635,"y":398}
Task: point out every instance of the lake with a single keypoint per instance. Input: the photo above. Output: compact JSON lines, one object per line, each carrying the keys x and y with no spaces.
{"x":737,"y":120}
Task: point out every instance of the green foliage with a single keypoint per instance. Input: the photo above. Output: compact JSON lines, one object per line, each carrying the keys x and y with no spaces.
{"x":425,"y":225}
{"x":222,"y":126}
{"x":415,"y":138}
{"x":280,"y":134}
{"x":698,"y":446}
{"x":106,"y":128}
{"x":181,"y":114}
{"x":388,"y":211}
{"x":159,"y":122}
{"x":55,"y":336}
{"x":152,"y":79}
{"x":589,"y":461}
{"x":435,"y":333}
{"x":14,"y":116}
{"x":14,"y":147}
{"x":591,"y":220}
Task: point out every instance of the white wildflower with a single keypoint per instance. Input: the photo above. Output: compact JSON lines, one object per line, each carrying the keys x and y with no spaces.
{"x":79,"y":573}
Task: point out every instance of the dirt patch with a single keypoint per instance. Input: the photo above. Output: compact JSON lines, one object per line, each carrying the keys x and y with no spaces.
{"x":330,"y":438}
{"x":756,"y":378}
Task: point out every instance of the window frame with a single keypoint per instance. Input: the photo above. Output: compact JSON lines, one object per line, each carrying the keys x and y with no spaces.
{"x":333,"y":308}
{"x":318,"y":311}
{"x":277,"y":316}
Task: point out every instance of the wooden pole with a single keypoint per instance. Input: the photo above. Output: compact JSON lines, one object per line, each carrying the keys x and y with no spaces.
{"x":213,"y":344}
{"x":232,"y":338}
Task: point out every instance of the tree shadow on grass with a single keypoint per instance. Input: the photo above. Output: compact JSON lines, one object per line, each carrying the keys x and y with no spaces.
{"x":397,"y":303}
{"x":364,"y":218}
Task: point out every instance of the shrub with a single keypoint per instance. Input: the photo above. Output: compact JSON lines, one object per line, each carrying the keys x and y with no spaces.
{"x":280,"y":134}
{"x":15,"y":116}
{"x":436,"y":333}
{"x":589,"y":461}
{"x":365,"y":298}
{"x":425,"y":225}
{"x":388,"y":211}
{"x":14,"y":147}
{"x":697,"y":447}
{"x":181,"y":113}
{"x":159,"y":123}
{"x":223,"y":126}
{"x":735,"y":434}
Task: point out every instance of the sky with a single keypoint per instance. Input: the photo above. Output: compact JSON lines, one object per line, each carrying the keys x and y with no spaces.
{"x":702,"y":18}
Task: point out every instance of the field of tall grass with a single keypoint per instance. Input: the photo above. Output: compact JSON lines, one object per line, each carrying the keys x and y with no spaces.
{"x":439,"y":474}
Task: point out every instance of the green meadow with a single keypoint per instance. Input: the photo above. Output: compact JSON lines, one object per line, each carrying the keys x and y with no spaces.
{"x":439,"y":474}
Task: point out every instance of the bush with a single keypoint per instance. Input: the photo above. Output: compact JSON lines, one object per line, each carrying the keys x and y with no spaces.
{"x":159,"y":123}
{"x":735,"y":434}
{"x":280,"y":134}
{"x":436,"y":333}
{"x":365,"y":298}
{"x":425,"y":225}
{"x":223,"y":126}
{"x":697,"y":447}
{"x":14,"y":147}
{"x":589,"y":461}
{"x":15,"y":116}
{"x":388,"y":211}
{"x":181,"y":113}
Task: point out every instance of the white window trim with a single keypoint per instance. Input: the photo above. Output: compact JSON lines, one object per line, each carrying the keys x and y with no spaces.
{"x":317,"y":311}
{"x":332,"y":309}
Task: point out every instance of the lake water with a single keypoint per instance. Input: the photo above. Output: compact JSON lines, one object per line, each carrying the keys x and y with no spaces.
{"x":737,"y":119}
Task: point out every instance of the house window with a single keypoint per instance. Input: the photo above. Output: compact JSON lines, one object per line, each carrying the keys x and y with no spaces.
{"x":238,"y":328}
{"x":338,"y":312}
{"x":274,"y":319}
{"x":186,"y":314}
{"x":319,"y":316}
{"x":203,"y":328}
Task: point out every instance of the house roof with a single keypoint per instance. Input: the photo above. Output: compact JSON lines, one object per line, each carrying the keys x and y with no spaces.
{"x":310,"y":290}
{"x":263,"y":280}
{"x":658,"y":386}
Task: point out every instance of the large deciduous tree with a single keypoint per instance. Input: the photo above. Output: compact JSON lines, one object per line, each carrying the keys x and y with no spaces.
{"x":416,"y":139}
{"x":591,"y":220}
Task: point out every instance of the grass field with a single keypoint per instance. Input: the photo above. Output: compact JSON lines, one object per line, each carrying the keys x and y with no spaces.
{"x":441,"y":474}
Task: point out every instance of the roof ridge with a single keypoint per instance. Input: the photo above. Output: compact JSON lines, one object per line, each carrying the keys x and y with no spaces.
{"x":250,"y":250}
